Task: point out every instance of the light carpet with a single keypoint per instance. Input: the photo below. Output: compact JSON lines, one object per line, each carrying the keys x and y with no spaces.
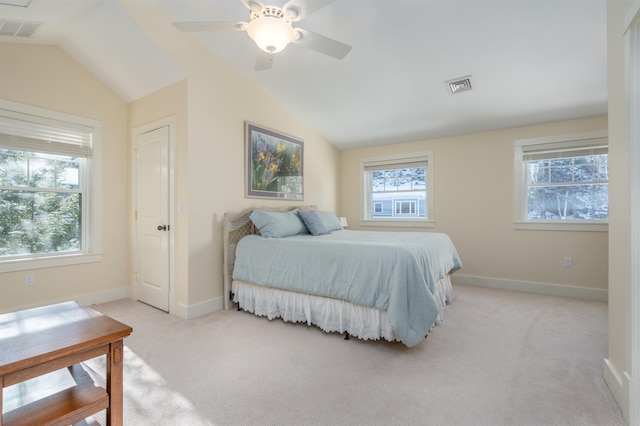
{"x":499,"y":358}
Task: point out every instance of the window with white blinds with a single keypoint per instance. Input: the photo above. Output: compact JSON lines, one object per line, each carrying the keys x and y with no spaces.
{"x":39,"y":134}
{"x":563,"y":181}
{"x":48,"y":194}
{"x":397,"y":190}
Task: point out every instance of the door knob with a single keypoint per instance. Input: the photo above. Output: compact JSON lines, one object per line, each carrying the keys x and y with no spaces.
{"x":162,"y":227}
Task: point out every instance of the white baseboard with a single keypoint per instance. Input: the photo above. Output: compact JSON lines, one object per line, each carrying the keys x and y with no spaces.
{"x":105,"y":296}
{"x":86,"y":299}
{"x":617,"y":385}
{"x":532,"y":287}
{"x":199,"y":309}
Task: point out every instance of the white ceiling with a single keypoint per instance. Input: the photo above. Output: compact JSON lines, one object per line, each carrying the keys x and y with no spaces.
{"x":530,"y":61}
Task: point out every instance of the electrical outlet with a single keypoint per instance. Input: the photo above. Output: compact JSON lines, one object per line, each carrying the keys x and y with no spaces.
{"x":29,"y":280}
{"x":568,"y":262}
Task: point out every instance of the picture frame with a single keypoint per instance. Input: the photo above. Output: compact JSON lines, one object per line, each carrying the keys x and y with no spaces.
{"x":274,"y":164}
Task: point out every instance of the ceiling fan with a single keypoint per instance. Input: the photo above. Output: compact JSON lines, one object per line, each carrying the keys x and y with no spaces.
{"x":272,"y":30}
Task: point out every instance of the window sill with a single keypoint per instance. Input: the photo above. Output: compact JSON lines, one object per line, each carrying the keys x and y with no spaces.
{"x":404,"y":223}
{"x":562,"y":226}
{"x":48,"y":262}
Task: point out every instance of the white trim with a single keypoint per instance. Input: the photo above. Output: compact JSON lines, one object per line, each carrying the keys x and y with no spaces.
{"x":632,"y":376}
{"x":398,"y":223}
{"x":92,"y":226}
{"x":47,"y":113}
{"x":519,"y":196}
{"x":633,"y":16}
{"x":615,"y":382}
{"x":562,"y":226}
{"x":48,"y":262}
{"x":173,"y":218}
{"x":104,"y":296}
{"x":597,"y":134}
{"x":93,"y":298}
{"x":365,"y":196}
{"x":550,"y":289}
{"x":169,"y":122}
{"x":193,"y":311}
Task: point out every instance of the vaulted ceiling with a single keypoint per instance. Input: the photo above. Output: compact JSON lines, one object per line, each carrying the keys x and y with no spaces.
{"x":529,"y":61}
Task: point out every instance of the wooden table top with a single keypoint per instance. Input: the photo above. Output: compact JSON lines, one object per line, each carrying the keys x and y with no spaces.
{"x":38,"y":335}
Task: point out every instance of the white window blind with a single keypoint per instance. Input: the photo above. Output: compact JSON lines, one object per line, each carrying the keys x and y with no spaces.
{"x":566,"y":149}
{"x":26,"y":132}
{"x":373,"y":166}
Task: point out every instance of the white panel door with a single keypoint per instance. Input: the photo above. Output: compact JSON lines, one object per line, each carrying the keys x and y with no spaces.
{"x":153,"y":228}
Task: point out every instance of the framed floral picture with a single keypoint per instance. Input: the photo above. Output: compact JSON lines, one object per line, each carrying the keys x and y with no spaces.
{"x":274,"y":164}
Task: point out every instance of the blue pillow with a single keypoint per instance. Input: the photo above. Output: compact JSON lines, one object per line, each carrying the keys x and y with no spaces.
{"x":313,"y":222}
{"x":331,"y":222}
{"x":278,"y":224}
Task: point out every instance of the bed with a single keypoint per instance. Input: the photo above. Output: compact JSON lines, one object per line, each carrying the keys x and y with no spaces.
{"x":300,"y":265}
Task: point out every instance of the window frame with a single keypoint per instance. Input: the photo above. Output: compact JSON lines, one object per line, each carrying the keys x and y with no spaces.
{"x":91,"y":246}
{"x":521,"y":220}
{"x":398,"y":160}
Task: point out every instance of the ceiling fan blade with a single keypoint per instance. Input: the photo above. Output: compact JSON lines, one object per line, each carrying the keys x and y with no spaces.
{"x":322,"y":44}
{"x":210,"y":26}
{"x":304,"y":8}
{"x":264,"y":61}
{"x":253,"y":4}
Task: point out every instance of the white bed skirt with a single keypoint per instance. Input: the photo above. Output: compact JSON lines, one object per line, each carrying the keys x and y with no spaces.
{"x":330,"y":315}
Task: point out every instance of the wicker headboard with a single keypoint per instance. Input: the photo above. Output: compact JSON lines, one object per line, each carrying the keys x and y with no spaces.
{"x":233,"y":229}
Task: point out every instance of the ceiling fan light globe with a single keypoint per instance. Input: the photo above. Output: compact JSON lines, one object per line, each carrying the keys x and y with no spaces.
{"x":270,"y":34}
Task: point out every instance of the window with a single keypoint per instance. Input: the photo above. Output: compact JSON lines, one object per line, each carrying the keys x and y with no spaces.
{"x":397,"y":190}
{"x":48,"y":201}
{"x":406,"y":208}
{"x":562,"y":182}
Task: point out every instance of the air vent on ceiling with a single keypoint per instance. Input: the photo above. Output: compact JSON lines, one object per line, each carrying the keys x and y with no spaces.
{"x":13,"y":28}
{"x":19,"y":3}
{"x":459,"y":85}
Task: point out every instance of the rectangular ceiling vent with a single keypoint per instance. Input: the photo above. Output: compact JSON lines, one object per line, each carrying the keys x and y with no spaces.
{"x":462,"y":84}
{"x":19,"y":3}
{"x":24,"y":29}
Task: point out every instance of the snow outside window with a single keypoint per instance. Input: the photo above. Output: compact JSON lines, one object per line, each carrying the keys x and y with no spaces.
{"x":562,"y":182}
{"x":397,"y":190}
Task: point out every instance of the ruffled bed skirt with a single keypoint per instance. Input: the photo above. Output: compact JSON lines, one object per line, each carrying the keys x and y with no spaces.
{"x":330,"y":315}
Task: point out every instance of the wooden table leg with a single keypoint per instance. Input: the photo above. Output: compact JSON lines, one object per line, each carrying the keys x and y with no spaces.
{"x":115,"y":361}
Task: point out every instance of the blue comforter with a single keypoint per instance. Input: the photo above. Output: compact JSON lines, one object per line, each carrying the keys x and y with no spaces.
{"x":392,"y":271}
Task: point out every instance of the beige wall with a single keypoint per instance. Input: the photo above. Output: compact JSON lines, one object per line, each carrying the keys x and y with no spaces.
{"x":46,"y":77}
{"x":618,"y":360}
{"x":210,"y":106}
{"x":219,"y":100}
{"x":473,"y":178}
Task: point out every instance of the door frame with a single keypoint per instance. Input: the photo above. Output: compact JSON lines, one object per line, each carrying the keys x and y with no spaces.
{"x":169,"y":122}
{"x":632,"y":42}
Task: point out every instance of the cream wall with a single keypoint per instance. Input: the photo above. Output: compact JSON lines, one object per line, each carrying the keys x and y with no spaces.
{"x":218,"y":102}
{"x":210,"y":106}
{"x":46,"y":77}
{"x":618,"y":361}
{"x":473,"y":178}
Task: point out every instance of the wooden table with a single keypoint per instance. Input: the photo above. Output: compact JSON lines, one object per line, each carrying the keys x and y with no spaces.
{"x":39,"y":341}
